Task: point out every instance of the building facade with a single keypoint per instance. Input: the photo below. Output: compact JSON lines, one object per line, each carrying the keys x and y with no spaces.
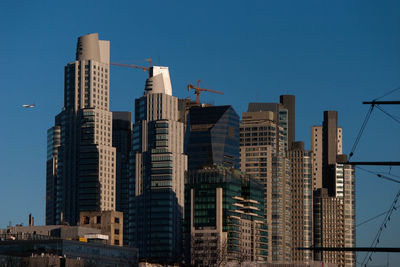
{"x":109,"y":222}
{"x":334,"y":193}
{"x":263,"y":143}
{"x":212,"y":137}
{"x":157,"y":169}
{"x":224,"y":217}
{"x":302,"y":202}
{"x":81,"y":176}
{"x":122,"y":137}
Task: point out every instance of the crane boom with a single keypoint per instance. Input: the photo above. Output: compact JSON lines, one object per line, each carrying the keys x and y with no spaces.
{"x":130,"y":66}
{"x":198,"y":91}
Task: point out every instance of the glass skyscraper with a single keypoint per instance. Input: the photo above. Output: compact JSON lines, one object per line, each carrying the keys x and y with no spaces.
{"x":212,"y":137}
{"x":157,"y":169}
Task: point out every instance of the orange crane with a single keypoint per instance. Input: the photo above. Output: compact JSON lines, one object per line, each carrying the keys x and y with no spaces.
{"x":198,"y":90}
{"x":134,"y":66}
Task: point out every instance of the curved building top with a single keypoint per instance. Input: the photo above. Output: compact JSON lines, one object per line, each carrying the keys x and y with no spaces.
{"x":159,"y":81}
{"x":89,"y":47}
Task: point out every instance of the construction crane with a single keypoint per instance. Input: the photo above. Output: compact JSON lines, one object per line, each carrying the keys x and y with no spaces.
{"x":134,"y":66}
{"x":198,"y":90}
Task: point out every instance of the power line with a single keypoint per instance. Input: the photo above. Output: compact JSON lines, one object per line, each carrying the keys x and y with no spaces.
{"x":387,"y":113}
{"x":388,"y":93}
{"x":361,"y":130}
{"x":375,"y":242}
{"x":375,"y":217}
{"x":379,"y":175}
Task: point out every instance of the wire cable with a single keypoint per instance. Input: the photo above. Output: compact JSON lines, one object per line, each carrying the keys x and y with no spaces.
{"x":375,"y":217}
{"x":379,"y":175}
{"x":388,"y":93}
{"x":387,"y":113}
{"x":375,"y":242}
{"x":361,"y":131}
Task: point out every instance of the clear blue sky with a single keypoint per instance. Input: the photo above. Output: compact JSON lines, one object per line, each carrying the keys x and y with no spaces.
{"x":331,"y":54}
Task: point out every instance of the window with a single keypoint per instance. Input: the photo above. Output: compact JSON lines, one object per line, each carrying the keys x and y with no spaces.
{"x":98,"y":219}
{"x":116,"y":220}
{"x":116,"y":231}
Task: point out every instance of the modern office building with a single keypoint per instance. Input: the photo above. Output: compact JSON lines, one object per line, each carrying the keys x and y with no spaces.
{"x":302,"y":203}
{"x":121,"y":137}
{"x":224,"y":217}
{"x":157,"y":168}
{"x":81,"y":158}
{"x":212,"y":137}
{"x":263,"y":155}
{"x":334,"y":195}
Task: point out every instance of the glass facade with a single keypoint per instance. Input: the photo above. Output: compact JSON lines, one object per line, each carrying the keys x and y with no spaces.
{"x":157,"y":169}
{"x":212,"y":137}
{"x":240,"y":204}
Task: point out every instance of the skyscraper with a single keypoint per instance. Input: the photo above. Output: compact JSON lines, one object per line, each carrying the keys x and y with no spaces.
{"x":263,"y":155}
{"x":212,"y":137}
{"x":334,"y":194}
{"x":302,"y":205}
{"x":224,"y":217}
{"x":157,"y":171}
{"x":122,"y":137}
{"x":82,"y":174}
{"x":224,"y":208}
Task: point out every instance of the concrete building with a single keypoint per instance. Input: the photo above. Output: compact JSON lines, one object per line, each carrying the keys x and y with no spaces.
{"x":81,"y":159}
{"x":122,"y":137}
{"x":334,"y":195}
{"x":302,"y":203}
{"x":263,"y":155}
{"x":284,"y":115}
{"x":109,"y":222}
{"x":157,"y":168}
{"x":46,"y":232}
{"x":224,"y":217}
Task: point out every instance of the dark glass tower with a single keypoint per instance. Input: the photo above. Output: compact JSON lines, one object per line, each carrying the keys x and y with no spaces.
{"x":122,"y":135}
{"x":212,"y":137}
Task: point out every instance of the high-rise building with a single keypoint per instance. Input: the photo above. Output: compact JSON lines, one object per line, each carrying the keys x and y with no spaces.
{"x":224,"y":208}
{"x":334,"y":193}
{"x":302,"y":209}
{"x":316,"y":147}
{"x":224,"y":217}
{"x":157,"y":171}
{"x":81,"y":170}
{"x":284,"y":115}
{"x":53,"y":183}
{"x":212,"y":137}
{"x":122,"y":135}
{"x":263,"y":155}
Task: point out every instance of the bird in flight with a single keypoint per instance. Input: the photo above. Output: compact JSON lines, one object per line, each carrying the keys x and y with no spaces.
{"x":29,"y":106}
